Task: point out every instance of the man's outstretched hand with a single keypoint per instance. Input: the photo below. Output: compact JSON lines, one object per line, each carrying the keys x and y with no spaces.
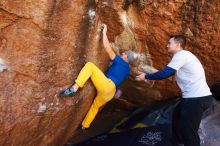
{"x":141,"y":77}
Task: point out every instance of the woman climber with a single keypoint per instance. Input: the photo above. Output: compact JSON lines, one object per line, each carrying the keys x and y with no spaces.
{"x":105,"y":84}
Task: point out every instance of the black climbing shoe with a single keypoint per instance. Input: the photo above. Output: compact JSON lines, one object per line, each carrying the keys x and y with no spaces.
{"x":83,"y":128}
{"x":80,"y":129}
{"x":68,"y":92}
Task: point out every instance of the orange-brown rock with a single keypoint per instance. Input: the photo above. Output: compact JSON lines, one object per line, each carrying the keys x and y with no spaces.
{"x":44,"y":44}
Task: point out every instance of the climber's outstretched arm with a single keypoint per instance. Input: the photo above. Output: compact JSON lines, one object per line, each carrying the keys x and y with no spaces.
{"x":106,"y":43}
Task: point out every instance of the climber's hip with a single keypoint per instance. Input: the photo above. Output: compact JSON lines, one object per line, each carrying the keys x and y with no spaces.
{"x":106,"y":89}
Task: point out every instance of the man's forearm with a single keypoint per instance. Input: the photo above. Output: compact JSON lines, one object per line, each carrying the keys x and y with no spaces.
{"x":161,"y":74}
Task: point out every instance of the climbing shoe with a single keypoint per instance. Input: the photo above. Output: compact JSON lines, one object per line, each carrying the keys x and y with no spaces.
{"x":68,"y":92}
{"x":83,"y":128}
{"x":80,"y":129}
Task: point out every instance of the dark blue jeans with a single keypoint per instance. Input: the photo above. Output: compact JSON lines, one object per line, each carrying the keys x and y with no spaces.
{"x":186,"y":120}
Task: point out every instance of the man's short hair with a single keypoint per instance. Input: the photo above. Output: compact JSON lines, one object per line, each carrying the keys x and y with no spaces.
{"x":179,"y":39}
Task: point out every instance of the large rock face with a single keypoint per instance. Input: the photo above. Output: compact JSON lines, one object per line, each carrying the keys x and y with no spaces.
{"x":45,"y":43}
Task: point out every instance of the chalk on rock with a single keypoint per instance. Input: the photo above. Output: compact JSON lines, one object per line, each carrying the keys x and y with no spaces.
{"x":42,"y":108}
{"x":2,"y":65}
{"x":91,"y":13}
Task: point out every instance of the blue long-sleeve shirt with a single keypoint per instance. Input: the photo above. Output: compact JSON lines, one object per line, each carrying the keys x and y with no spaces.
{"x":161,"y":74}
{"x":118,"y":71}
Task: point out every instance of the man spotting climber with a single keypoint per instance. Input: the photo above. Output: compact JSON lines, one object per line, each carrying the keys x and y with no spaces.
{"x":196,"y":95}
{"x":105,"y":84}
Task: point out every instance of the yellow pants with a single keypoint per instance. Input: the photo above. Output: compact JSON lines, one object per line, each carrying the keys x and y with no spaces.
{"x":105,"y":89}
